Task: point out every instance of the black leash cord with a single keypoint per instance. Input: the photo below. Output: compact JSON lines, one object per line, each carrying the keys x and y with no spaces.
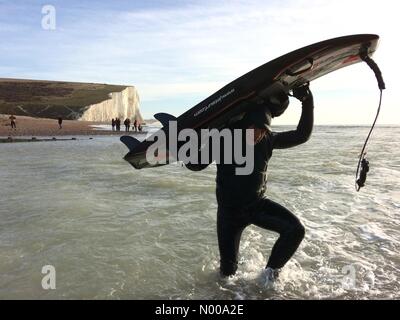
{"x":362,"y":162}
{"x":360,"y":182}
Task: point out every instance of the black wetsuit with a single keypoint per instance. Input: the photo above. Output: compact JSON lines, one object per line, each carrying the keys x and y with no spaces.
{"x":241,"y":199}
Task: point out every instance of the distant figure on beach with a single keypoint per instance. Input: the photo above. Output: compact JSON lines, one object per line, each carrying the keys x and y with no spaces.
{"x":118,"y":124}
{"x":13,"y":124}
{"x":140,"y":127}
{"x":60,"y":120}
{"x":127,"y":124}
{"x":135,"y":124}
{"x":113,"y":124}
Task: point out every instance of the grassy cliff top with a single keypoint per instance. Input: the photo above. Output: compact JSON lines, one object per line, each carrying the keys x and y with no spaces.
{"x":51,"y":99}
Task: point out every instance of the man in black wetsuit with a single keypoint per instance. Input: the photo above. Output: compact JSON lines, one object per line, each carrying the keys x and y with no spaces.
{"x":241,"y":199}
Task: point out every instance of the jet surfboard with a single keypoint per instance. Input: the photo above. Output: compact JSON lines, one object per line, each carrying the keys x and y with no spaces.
{"x":255,"y":87}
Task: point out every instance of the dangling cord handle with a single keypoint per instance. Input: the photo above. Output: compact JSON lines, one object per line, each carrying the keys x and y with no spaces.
{"x":362,"y":162}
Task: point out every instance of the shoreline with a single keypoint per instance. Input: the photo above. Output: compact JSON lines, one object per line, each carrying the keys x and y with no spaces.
{"x":16,"y":139}
{"x":43,"y":127}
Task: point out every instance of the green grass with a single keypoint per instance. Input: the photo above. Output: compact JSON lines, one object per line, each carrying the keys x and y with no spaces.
{"x":51,"y":99}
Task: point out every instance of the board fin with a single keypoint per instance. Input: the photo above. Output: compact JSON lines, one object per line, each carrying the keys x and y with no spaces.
{"x":164,"y":118}
{"x":130,"y":142}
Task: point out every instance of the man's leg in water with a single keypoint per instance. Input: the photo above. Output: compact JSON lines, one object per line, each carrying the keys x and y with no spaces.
{"x":229,"y":228}
{"x":272,"y":216}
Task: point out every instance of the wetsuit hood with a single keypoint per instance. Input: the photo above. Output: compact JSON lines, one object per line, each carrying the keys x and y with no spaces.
{"x":278,"y":103}
{"x":260,"y":118}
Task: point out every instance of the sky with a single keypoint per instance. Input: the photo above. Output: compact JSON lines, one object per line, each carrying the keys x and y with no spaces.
{"x":177,"y":53}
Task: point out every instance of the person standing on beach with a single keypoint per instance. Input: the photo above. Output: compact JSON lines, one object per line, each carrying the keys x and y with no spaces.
{"x":135,"y":124}
{"x":127,"y":124}
{"x":241,"y":198}
{"x":60,"y":120}
{"x":113,"y":124}
{"x":13,"y":124}
{"x":117,"y":124}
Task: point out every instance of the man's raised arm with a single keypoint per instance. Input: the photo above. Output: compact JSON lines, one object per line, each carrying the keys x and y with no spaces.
{"x":288,"y":139}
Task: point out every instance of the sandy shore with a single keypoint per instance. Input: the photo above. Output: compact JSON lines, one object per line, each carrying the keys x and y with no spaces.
{"x":38,"y":127}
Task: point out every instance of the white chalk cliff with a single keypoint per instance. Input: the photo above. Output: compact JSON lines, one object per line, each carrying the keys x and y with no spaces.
{"x":124,"y":104}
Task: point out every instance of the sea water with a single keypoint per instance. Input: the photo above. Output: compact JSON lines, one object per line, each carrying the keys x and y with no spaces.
{"x":113,"y":232}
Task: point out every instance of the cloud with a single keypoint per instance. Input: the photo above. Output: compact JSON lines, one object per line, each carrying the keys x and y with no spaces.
{"x":188,"y":50}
